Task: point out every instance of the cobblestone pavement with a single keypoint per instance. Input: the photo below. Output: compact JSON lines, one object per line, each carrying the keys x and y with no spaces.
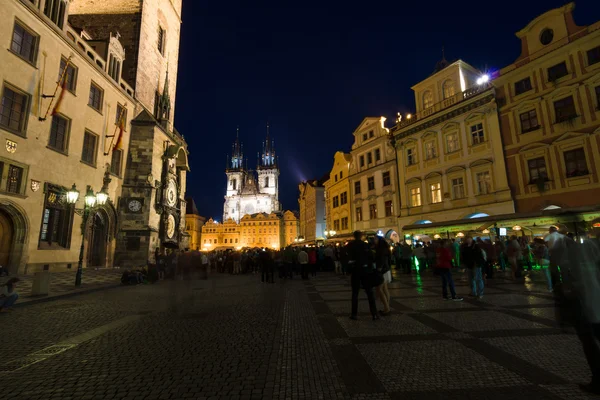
{"x":232,"y":337}
{"x":62,"y":283}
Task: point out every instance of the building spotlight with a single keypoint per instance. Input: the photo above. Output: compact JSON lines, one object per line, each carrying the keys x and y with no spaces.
{"x":483,"y":79}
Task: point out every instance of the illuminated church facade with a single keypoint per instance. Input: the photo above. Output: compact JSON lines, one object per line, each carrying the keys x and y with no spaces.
{"x":251,"y":191}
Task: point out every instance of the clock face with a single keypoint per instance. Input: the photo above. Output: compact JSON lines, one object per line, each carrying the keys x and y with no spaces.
{"x":134,"y":205}
{"x":170,"y":226}
{"x":171,"y":193}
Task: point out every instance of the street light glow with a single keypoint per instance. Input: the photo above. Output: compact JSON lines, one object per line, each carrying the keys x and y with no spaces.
{"x":90,"y":197}
{"x":483,"y":79}
{"x":73,"y":195}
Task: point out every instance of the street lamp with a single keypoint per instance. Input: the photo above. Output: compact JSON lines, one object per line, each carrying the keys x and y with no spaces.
{"x":90,"y":201}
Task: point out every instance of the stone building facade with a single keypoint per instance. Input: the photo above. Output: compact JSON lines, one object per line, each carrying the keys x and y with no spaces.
{"x":312,"y":209}
{"x":449,"y":153}
{"x":48,"y":148}
{"x":337,"y":195}
{"x":373,"y":180}
{"x":193,"y":225}
{"x":251,"y":192}
{"x":274,"y":230}
{"x":550,"y":114}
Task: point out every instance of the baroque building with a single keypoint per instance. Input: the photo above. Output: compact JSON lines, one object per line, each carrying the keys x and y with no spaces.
{"x":337,"y":196}
{"x":274,"y":230}
{"x":550,"y":114}
{"x":71,"y":113}
{"x":251,"y":192}
{"x":450,"y":159}
{"x":373,"y":180}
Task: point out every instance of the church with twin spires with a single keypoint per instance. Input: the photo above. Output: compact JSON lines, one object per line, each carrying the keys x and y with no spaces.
{"x":251,"y":191}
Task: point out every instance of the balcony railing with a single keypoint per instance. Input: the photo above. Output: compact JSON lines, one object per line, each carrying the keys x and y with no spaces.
{"x":450,"y":101}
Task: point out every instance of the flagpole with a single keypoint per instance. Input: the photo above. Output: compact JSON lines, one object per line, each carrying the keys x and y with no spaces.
{"x":60,"y":83}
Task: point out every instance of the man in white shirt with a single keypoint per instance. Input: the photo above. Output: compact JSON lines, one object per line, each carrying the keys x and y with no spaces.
{"x":303,"y":261}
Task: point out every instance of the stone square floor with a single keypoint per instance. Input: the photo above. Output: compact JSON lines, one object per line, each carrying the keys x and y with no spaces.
{"x":233,"y":337}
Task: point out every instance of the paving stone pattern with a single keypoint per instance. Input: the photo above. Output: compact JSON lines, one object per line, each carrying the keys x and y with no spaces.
{"x":233,"y":337}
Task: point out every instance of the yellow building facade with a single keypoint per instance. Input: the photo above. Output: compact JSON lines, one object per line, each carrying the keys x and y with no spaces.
{"x":550,"y":114}
{"x":449,"y":153}
{"x":275,"y":230}
{"x":337,"y":195}
{"x":373,"y":180}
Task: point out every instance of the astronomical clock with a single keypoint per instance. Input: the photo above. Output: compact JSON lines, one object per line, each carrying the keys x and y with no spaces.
{"x":170,"y":203}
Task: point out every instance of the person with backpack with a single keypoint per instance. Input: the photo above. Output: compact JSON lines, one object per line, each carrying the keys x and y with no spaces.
{"x":360,"y":265}
{"x":473,"y":259}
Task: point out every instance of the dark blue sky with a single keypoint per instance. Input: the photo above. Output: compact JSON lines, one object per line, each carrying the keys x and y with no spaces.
{"x":315,"y":70}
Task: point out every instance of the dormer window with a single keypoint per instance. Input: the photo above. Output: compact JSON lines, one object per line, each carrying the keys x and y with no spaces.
{"x":448,"y":89}
{"x":114,"y":68}
{"x":56,"y":10}
{"x":427,"y":99}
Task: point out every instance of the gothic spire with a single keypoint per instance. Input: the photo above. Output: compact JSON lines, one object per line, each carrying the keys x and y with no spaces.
{"x":237,"y":152}
{"x":268,"y":159}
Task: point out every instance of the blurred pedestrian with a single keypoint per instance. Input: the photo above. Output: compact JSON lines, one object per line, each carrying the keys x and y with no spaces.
{"x":8,"y":294}
{"x":444,"y":269}
{"x":303,"y":261}
{"x":473,"y":260}
{"x":358,"y":254}
{"x":382,"y":260}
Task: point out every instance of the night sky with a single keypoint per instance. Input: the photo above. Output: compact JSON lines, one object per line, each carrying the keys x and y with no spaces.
{"x":315,"y":70}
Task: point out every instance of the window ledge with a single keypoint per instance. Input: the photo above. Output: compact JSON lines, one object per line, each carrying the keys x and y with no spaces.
{"x":537,"y":128}
{"x":578,"y":176}
{"x":64,"y":153}
{"x":32,"y":63}
{"x":115,"y":175}
{"x":19,"y":195}
{"x":53,"y":246}
{"x":478,"y":144}
{"x":88,"y":164}
{"x":567,"y":121}
{"x":95,"y":109}
{"x":17,"y":133}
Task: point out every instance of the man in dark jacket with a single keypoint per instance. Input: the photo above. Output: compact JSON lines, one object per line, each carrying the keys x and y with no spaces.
{"x":472,"y":258}
{"x":360,"y":265}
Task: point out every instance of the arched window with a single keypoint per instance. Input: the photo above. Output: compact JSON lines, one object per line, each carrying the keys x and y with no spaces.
{"x":427,"y":99}
{"x":448,"y":89}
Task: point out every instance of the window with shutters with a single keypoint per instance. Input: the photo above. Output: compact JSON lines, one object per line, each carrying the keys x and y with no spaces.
{"x":90,"y":146}
{"x":70,"y":75}
{"x":59,"y":133}
{"x":14,"y":110}
{"x":96,"y":97}
{"x":115,"y":162}
{"x":57,"y":220}
{"x":24,"y":43}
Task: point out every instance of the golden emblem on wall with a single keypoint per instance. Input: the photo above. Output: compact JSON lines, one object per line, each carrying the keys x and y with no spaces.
{"x":11,"y":146}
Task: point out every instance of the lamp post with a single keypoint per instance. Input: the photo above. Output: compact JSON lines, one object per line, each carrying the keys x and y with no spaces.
{"x":91,"y":200}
